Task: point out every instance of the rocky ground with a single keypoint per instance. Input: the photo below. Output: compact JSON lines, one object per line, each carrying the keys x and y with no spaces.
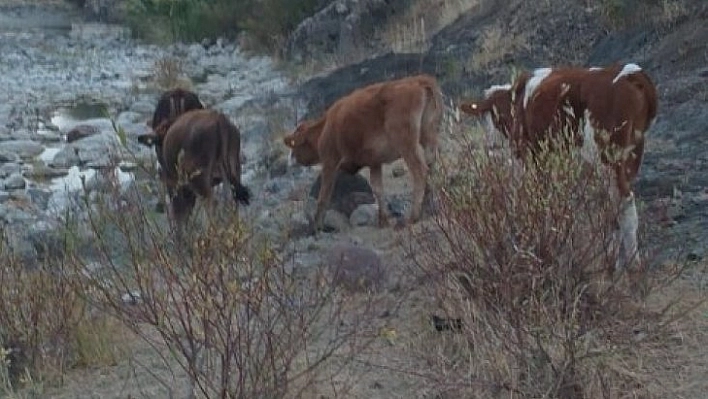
{"x":63,"y":79}
{"x":669,"y":42}
{"x":60,"y":72}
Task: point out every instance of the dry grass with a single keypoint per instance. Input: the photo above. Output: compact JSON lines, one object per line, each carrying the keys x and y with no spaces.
{"x":169,"y":74}
{"x":411,"y":31}
{"x":672,"y":10}
{"x":542,"y":313}
{"x":497,"y":44}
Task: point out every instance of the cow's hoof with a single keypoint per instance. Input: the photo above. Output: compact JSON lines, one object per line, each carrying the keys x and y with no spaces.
{"x":383,"y":222}
{"x":400,"y":224}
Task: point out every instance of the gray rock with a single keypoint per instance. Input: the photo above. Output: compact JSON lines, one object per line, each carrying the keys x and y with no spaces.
{"x":349,"y":192}
{"x":42,"y":172}
{"x":355,"y":268}
{"x":25,"y":149}
{"x":6,"y":156}
{"x":20,"y":248}
{"x":39,"y":197}
{"x":365,"y":215}
{"x":335,"y":221}
{"x":94,"y":151}
{"x":131,"y":117}
{"x":300,"y":225}
{"x":341,"y":27}
{"x":7,"y":169}
{"x":80,"y":131}
{"x":143,"y":107}
{"x":14,"y":182}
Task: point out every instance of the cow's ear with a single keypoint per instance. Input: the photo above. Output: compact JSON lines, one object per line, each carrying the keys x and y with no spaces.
{"x":148,"y":139}
{"x":475,"y":108}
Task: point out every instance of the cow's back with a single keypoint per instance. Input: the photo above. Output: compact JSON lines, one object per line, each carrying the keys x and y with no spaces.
{"x":194,"y":137}
{"x":372,"y":124}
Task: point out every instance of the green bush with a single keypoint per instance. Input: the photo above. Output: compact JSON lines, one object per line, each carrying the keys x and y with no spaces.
{"x":267,"y":22}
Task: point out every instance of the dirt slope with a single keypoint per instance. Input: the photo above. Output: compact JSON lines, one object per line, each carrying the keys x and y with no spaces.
{"x":669,"y":40}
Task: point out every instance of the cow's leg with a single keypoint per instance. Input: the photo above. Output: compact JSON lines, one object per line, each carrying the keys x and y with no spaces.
{"x":201,"y":184}
{"x":376,"y":176}
{"x":628,"y":220}
{"x":415,"y":159}
{"x":430,"y":145}
{"x":329,"y":172}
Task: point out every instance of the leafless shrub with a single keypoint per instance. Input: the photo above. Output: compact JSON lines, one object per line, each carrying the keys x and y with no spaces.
{"x":232,"y":317}
{"x":45,"y":327}
{"x":496,"y":44}
{"x":169,"y":73}
{"x":411,"y":31}
{"x":522,"y":253}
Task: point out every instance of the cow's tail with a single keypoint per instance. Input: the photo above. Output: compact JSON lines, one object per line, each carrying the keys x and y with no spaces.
{"x":642,"y":81}
{"x":433,"y":107}
{"x":232,"y":164}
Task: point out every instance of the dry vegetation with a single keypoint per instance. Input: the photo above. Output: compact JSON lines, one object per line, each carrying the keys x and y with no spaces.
{"x":412,"y":31}
{"x":496,"y":45}
{"x":522,"y":256}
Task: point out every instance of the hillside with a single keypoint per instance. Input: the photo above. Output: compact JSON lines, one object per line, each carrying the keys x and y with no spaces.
{"x":668,"y":39}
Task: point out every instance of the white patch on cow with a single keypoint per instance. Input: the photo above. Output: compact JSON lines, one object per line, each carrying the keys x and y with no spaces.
{"x":538,"y":76}
{"x":628,"y":224}
{"x":595,"y":69}
{"x":568,"y":110}
{"x":291,"y":158}
{"x":638,"y":135}
{"x":495,"y":88}
{"x":589,"y":150}
{"x":627,"y":70}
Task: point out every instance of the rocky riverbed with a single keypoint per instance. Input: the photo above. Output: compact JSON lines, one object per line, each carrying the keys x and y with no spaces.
{"x":64,"y":83}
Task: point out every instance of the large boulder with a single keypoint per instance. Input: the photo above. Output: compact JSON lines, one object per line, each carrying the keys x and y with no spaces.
{"x":340,"y":28}
{"x":349,"y":192}
{"x":355,"y":268}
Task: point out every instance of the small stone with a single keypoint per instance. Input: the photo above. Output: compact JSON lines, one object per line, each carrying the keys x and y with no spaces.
{"x":398,"y":171}
{"x":15,"y":182}
{"x":81,"y":131}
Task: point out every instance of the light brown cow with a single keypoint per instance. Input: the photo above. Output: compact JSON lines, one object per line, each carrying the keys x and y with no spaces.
{"x":607,"y":110}
{"x":196,"y":152}
{"x":372,"y":126}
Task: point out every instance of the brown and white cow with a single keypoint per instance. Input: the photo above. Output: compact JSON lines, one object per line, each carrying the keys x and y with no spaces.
{"x":372,"y":126}
{"x":199,"y":150}
{"x":607,"y":110}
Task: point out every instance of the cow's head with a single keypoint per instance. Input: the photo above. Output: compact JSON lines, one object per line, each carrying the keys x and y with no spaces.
{"x":174,"y":103}
{"x":496,"y":112}
{"x":155,"y":139}
{"x":303,"y":142}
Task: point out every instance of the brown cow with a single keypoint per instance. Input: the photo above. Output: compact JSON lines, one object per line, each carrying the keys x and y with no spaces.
{"x":199,"y":150}
{"x":372,"y":126}
{"x":607,"y":110}
{"x":172,"y":104}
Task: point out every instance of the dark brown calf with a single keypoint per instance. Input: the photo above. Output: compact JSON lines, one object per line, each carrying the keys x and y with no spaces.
{"x":172,"y":104}
{"x":199,"y":150}
{"x":372,"y":126}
